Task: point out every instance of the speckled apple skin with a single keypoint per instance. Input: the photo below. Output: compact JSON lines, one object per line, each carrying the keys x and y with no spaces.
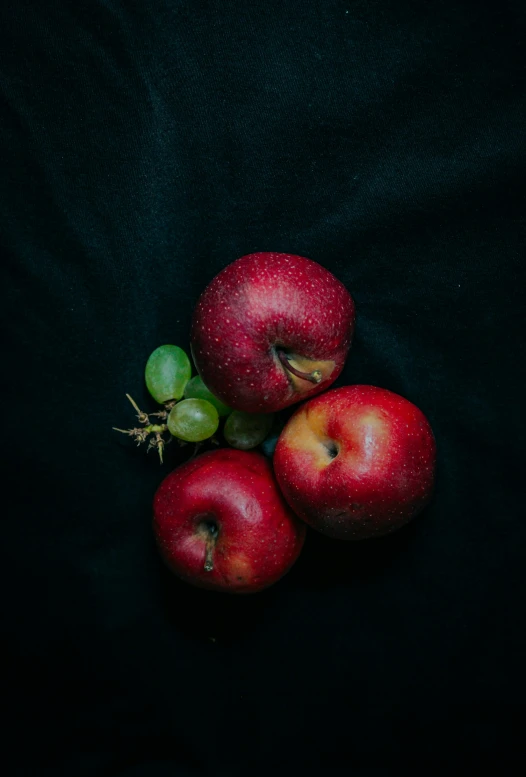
{"x":356,"y":462}
{"x":259,"y":536}
{"x":257,"y":303}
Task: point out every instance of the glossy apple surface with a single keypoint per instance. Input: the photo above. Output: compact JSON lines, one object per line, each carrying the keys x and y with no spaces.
{"x":270,"y":330}
{"x":220,"y":522}
{"x":356,"y":462}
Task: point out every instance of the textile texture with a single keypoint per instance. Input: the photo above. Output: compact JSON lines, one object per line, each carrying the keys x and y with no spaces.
{"x":145,"y":145}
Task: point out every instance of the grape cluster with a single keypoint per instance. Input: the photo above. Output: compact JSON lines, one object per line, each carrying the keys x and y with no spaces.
{"x":190,"y":412}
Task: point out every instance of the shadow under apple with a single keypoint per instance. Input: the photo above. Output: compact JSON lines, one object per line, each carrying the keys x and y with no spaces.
{"x":214,"y":615}
{"x":325,"y":562}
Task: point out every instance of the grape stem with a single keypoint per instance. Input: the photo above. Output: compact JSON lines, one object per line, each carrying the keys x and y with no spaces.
{"x":155,"y":428}
{"x":158,"y":441}
{"x":143,"y":417}
{"x":314,"y":377}
{"x":163,"y":414}
{"x":141,"y":434}
{"x":144,"y":431}
{"x":197,"y":448}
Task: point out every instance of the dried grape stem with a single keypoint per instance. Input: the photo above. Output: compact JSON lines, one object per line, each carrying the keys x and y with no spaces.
{"x":143,"y":417}
{"x":166,"y":412}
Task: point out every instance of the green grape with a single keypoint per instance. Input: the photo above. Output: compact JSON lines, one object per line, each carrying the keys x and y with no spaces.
{"x":196,"y":389}
{"x":246,"y":430}
{"x":167,"y":372}
{"x":193,"y":420}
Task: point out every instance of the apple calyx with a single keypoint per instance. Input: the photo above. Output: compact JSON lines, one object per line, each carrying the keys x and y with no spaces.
{"x":332,"y":449}
{"x":314,"y":377}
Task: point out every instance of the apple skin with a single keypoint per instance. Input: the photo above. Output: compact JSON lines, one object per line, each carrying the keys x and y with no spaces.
{"x":256,"y":537}
{"x":258,"y":305}
{"x":356,"y":462}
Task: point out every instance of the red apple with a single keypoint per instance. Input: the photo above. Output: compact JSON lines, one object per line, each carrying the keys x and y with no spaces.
{"x":356,"y":462}
{"x":271,"y":329}
{"x":221,"y":522}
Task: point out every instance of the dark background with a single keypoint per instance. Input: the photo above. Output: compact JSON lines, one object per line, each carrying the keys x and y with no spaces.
{"x":144,"y":145}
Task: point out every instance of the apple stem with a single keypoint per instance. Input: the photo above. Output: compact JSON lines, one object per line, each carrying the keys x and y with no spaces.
{"x":314,"y":377}
{"x":209,"y":560}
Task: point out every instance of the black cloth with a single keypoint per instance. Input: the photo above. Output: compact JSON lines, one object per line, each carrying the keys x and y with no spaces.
{"x":145,"y":145}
